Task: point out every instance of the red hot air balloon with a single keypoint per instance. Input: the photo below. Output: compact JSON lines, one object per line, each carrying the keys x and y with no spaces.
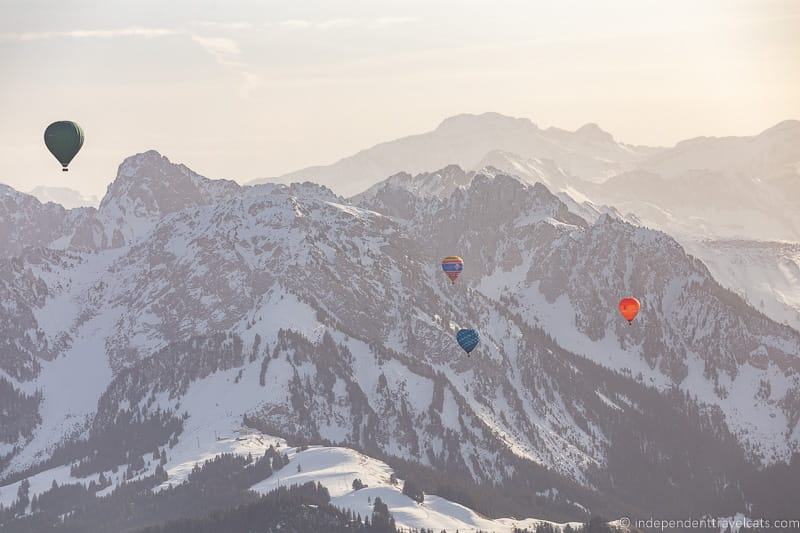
{"x":629,"y":307}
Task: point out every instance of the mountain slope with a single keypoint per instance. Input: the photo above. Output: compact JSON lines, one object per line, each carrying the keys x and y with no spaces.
{"x":766,"y":274}
{"x":25,"y":221}
{"x":567,"y":275}
{"x":768,"y":155}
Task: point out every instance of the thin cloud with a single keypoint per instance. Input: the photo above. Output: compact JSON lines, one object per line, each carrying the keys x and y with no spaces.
{"x":225,"y":51}
{"x":337,"y":23}
{"x":221,"y":25}
{"x":89,"y":34}
{"x":296,"y":23}
{"x":391,"y":21}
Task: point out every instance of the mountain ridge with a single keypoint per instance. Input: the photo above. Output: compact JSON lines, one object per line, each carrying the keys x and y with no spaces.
{"x":465,"y":139}
{"x":517,"y":135}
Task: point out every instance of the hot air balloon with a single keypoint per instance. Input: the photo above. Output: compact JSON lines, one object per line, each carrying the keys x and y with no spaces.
{"x":64,"y":139}
{"x":452,"y":266}
{"x":629,"y":307}
{"x":468,"y":339}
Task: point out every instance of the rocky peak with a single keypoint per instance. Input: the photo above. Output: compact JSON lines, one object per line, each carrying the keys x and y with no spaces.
{"x":149,"y":186}
{"x":163,"y":186}
{"x":593,"y":132}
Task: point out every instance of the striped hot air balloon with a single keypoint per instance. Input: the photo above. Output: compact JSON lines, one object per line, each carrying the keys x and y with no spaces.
{"x":452,"y":266}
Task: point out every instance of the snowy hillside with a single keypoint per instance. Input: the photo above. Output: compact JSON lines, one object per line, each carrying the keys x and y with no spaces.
{"x":185,"y":309}
{"x":336,"y":468}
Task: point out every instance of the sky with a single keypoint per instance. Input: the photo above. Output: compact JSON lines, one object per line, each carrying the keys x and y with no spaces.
{"x":251,"y":89}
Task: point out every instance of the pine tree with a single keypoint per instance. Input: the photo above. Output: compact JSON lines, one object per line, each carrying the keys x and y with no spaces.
{"x":413,"y":491}
{"x":382,"y":520}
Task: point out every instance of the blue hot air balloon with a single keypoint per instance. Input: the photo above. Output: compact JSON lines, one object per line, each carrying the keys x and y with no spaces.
{"x":468,"y":339}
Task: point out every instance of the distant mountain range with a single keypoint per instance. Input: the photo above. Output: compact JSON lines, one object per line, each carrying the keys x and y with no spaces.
{"x":465,"y":140}
{"x":729,"y":187}
{"x":63,"y":196}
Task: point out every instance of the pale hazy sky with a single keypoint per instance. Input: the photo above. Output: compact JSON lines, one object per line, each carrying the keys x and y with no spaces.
{"x":247,"y":89}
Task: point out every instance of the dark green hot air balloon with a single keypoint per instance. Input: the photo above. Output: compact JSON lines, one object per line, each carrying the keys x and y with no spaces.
{"x":64,"y":139}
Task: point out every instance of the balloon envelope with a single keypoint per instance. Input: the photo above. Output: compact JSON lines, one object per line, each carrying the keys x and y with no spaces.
{"x":629,"y":307}
{"x":468,"y":339}
{"x":452,"y":266}
{"x":64,"y":139}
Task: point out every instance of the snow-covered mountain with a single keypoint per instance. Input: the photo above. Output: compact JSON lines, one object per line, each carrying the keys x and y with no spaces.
{"x":192,"y":309}
{"x":64,"y":196}
{"x":465,"y":140}
{"x":25,"y":221}
{"x":148,"y":188}
{"x":705,"y":192}
{"x":704,"y":222}
{"x":579,"y":263}
{"x":708,"y":193}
